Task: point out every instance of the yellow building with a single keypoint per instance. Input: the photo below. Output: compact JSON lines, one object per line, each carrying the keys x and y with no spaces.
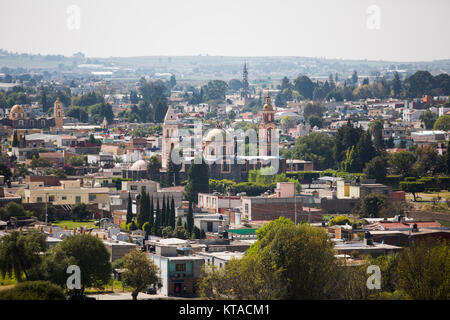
{"x":69,"y":193}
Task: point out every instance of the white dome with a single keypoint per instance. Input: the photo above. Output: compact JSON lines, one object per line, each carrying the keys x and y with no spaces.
{"x":139,"y":165}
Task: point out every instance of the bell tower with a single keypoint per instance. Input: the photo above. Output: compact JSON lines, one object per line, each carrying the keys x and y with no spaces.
{"x":58,"y":114}
{"x":268,"y":141}
{"x":170,"y":138}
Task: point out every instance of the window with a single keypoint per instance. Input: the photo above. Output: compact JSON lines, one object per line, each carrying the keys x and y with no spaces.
{"x":77,"y":199}
{"x":39,"y":199}
{"x":92,"y":197}
{"x":63,"y":198}
{"x":51,"y":198}
{"x":246,"y":208}
{"x":180,"y":267}
{"x":133,"y":188}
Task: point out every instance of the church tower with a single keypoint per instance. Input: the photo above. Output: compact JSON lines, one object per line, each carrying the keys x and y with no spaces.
{"x":58,"y":114}
{"x":267,"y":135}
{"x":245,"y":90}
{"x":170,"y":136}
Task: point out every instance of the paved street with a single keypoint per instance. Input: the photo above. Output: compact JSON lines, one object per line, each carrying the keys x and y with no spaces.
{"x":127,"y":296}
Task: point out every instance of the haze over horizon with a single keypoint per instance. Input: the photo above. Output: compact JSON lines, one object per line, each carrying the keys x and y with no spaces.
{"x":397,"y":31}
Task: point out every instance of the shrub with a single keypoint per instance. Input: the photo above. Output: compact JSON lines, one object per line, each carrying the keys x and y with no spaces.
{"x":393,"y":180}
{"x":131,"y":226}
{"x":33,"y":290}
{"x":339,"y":220}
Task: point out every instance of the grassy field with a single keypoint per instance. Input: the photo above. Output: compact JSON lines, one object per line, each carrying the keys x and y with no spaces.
{"x":117,"y":287}
{"x":428,"y":196}
{"x":7,"y":281}
{"x":445,"y":223}
{"x":74,"y":224}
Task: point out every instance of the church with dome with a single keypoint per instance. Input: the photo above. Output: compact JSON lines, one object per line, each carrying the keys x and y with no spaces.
{"x":20,"y":119}
{"x":219,"y":148}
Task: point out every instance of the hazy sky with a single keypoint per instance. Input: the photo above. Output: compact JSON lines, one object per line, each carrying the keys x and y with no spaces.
{"x":398,"y":30}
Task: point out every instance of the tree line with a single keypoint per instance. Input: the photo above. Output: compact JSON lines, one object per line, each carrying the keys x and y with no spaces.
{"x":415,"y":86}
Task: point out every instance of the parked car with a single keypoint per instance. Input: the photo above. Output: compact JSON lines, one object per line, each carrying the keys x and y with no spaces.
{"x":150,"y":290}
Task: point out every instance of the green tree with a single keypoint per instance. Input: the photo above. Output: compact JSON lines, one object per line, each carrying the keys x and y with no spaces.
{"x":198,"y":181}
{"x":371,"y":204}
{"x":190,"y":219}
{"x":286,"y":262}
{"x":428,"y":118}
{"x":129,"y":209}
{"x":40,"y":163}
{"x":419,"y":84}
{"x":172,"y":213}
{"x":365,"y":151}
{"x":157,"y":223}
{"x":151,"y":219}
{"x":164,"y":212}
{"x":316,"y":147}
{"x":304,"y":86}
{"x":155,"y":93}
{"x":140,"y":272}
{"x":173,"y":81}
{"x":80,"y":212}
{"x":80,"y":250}
{"x":78,"y":113}
{"x":154,"y":166}
{"x":143,"y":211}
{"x":20,"y":254}
{"x":339,"y":220}
{"x":347,"y":137}
{"x":13,"y":209}
{"x":442,"y":123}
{"x":424,"y":271}
{"x":402,"y":162}
{"x":355,"y":78}
{"x":396,"y":85}
{"x":376,"y":129}
{"x":216,"y":89}
{"x":235,"y":85}
{"x":315,"y":121}
{"x":15,"y":140}
{"x":376,"y":169}
{"x":412,"y":187}
{"x":100,"y":111}
{"x":77,"y":161}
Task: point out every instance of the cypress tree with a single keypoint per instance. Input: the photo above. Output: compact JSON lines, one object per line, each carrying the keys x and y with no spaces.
{"x":164,"y":212}
{"x":198,"y":180}
{"x":15,"y":141}
{"x":179,"y":224}
{"x":151,"y":218}
{"x":141,"y":211}
{"x":190,"y":219}
{"x":157,"y":218}
{"x":168,"y":212}
{"x":146,"y":208}
{"x":129,"y":209}
{"x":172,"y":213}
